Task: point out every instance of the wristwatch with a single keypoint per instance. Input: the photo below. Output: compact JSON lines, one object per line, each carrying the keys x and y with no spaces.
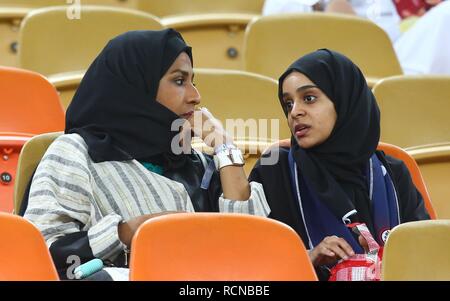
{"x":228,"y":155}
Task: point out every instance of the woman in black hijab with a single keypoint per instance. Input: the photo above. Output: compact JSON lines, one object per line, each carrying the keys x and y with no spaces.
{"x":120,"y":161}
{"x":333,"y":176}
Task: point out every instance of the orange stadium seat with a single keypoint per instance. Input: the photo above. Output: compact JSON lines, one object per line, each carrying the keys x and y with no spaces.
{"x":30,"y":105}
{"x":414,"y":170}
{"x":217,"y":246}
{"x":24,"y":255}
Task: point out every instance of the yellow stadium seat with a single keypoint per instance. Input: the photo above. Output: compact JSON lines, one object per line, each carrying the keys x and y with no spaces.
{"x":232,"y":94}
{"x":217,"y":39}
{"x":44,"y":3}
{"x":51,"y":43}
{"x":116,"y":3}
{"x":417,"y":251}
{"x":414,"y":109}
{"x":30,"y":156}
{"x":164,"y":8}
{"x":215,"y":29}
{"x":218,"y":246}
{"x":66,"y":84}
{"x":272,"y":43}
{"x":12,"y":13}
{"x":24,"y":256}
{"x":10,"y":19}
{"x":434,"y":164}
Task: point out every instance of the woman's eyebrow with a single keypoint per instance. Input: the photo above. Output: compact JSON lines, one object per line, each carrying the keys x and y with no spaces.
{"x":183,"y":72}
{"x":305,"y":87}
{"x":300,"y":89}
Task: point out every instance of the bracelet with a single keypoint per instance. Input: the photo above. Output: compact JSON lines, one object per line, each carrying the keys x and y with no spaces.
{"x":228,"y":157}
{"x":224,"y":147}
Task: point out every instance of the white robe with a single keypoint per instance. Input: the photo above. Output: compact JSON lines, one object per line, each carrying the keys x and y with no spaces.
{"x":425,"y":48}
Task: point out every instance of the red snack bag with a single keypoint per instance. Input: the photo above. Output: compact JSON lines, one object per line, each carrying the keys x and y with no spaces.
{"x":408,"y":8}
{"x":360,"y":267}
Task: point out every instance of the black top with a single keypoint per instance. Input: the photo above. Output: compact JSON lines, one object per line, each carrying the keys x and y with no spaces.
{"x":285,"y":207}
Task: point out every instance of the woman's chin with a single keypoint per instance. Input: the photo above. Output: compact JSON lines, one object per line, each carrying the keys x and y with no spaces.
{"x":304,"y":143}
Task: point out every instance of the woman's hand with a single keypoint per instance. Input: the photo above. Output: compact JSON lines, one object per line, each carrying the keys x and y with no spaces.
{"x":128,"y":229}
{"x":330,"y":250}
{"x":208,"y":128}
{"x":363,"y":242}
{"x":232,"y":178}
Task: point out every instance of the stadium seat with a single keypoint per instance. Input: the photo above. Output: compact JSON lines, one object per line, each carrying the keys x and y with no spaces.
{"x":272,"y":43}
{"x":416,"y":175}
{"x":215,"y":29}
{"x":398,"y":153}
{"x":217,"y":39}
{"x":417,"y":251}
{"x":232,"y":94}
{"x":32,"y":153}
{"x":164,"y":8}
{"x":44,"y":3}
{"x":434,"y":164}
{"x":10,"y":18}
{"x":12,"y":13}
{"x":10,"y":146}
{"x":66,"y":84}
{"x":51,"y":43}
{"x":30,"y":105}
{"x":218,"y":246}
{"x":414,"y":109}
{"x":24,"y":256}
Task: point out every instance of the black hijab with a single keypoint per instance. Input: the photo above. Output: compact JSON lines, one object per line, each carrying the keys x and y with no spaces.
{"x":115,"y":108}
{"x":336,"y":168}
